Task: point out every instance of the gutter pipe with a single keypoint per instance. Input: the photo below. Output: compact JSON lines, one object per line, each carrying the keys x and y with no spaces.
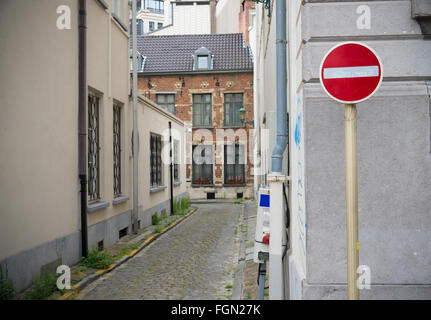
{"x":277,"y":154}
{"x":82,"y":121}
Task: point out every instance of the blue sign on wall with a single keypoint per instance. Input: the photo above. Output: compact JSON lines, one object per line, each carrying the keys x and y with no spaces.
{"x":264,"y":200}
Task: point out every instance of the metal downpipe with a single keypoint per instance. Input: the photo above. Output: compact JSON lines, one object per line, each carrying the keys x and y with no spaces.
{"x":281,"y":143}
{"x":82,"y":121}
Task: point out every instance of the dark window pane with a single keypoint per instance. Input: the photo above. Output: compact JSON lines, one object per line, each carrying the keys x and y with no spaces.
{"x":234,"y":164}
{"x":202,"y":110}
{"x":233,"y":102}
{"x":202,"y":167}
{"x":168,"y":101}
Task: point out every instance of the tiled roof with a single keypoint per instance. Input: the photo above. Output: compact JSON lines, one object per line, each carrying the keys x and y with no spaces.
{"x":174,"y":53}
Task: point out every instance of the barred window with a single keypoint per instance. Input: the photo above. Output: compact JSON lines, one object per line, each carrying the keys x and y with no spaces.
{"x":117,"y":149}
{"x":167,"y":100}
{"x":156,"y":160}
{"x":93,"y":149}
{"x":233,"y":102}
{"x":234,"y":164}
{"x":202,"y":165}
{"x":202,"y":110}
{"x":176,"y":160}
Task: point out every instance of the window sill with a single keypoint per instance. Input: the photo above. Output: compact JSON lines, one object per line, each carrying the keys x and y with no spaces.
{"x":233,"y":126}
{"x":157,"y":189}
{"x":120,"y":199}
{"x":203,"y":127}
{"x":177,"y":183}
{"x":232,"y":185}
{"x":196,"y":185}
{"x":97,"y":206}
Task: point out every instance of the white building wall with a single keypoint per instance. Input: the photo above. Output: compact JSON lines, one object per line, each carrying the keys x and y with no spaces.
{"x":188,"y":19}
{"x":227,"y":13}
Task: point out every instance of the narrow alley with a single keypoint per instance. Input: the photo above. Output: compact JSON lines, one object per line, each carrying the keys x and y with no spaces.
{"x":196,"y":260}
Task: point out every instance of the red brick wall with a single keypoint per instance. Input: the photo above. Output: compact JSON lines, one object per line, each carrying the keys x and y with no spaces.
{"x":184,"y":86}
{"x":244,"y":20}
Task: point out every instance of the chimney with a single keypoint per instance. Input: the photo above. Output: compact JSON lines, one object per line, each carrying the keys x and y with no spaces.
{"x":213,"y":4}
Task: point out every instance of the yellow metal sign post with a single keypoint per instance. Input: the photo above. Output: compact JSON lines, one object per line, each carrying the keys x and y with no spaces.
{"x":351,"y":200}
{"x":342,"y":73}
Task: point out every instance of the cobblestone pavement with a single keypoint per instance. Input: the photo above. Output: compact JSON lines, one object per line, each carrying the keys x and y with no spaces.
{"x":195,"y":260}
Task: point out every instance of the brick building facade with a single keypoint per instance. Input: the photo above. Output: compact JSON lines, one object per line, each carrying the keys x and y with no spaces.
{"x":209,"y":101}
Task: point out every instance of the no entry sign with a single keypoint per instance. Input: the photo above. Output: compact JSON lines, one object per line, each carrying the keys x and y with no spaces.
{"x":351,"y":72}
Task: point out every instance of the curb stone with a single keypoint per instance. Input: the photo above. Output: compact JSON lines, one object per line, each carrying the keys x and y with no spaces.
{"x":85,"y":282}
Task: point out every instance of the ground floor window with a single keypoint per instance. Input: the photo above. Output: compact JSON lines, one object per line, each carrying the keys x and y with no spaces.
{"x":234,"y":164}
{"x":156,"y":160}
{"x":202,"y":168}
{"x":117,"y":149}
{"x":93,"y":152}
{"x":176,"y":161}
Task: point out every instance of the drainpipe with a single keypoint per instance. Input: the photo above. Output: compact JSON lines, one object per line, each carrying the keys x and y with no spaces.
{"x":134,"y":220}
{"x":82,"y":121}
{"x":278,"y":239}
{"x":277,"y":154}
{"x":171,"y":169}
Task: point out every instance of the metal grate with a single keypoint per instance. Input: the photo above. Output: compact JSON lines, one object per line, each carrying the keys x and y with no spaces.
{"x":156,"y":160}
{"x":93,"y":149}
{"x":117,"y":150}
{"x":176,"y":161}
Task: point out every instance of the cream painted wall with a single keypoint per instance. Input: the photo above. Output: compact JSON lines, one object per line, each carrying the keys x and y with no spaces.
{"x":227,"y":15}
{"x":38,"y":127}
{"x":154,"y":119}
{"x":195,"y":19}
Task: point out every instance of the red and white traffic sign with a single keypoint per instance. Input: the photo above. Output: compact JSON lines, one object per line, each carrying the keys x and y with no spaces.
{"x":351,"y":72}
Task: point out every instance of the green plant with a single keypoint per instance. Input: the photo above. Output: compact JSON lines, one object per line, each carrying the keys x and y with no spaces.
{"x":42,"y":287}
{"x":155,"y":219}
{"x":185,"y":203}
{"x":248,"y":295}
{"x":7,"y":289}
{"x":97,"y":259}
{"x":177,"y":207}
{"x":229,"y":286}
{"x":164,"y":215}
{"x":157,"y":229}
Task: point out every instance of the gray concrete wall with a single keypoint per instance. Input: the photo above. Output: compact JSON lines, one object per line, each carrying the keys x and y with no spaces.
{"x":394,"y":160}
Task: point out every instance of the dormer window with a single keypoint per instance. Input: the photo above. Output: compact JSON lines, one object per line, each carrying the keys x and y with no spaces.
{"x":202,"y":59}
